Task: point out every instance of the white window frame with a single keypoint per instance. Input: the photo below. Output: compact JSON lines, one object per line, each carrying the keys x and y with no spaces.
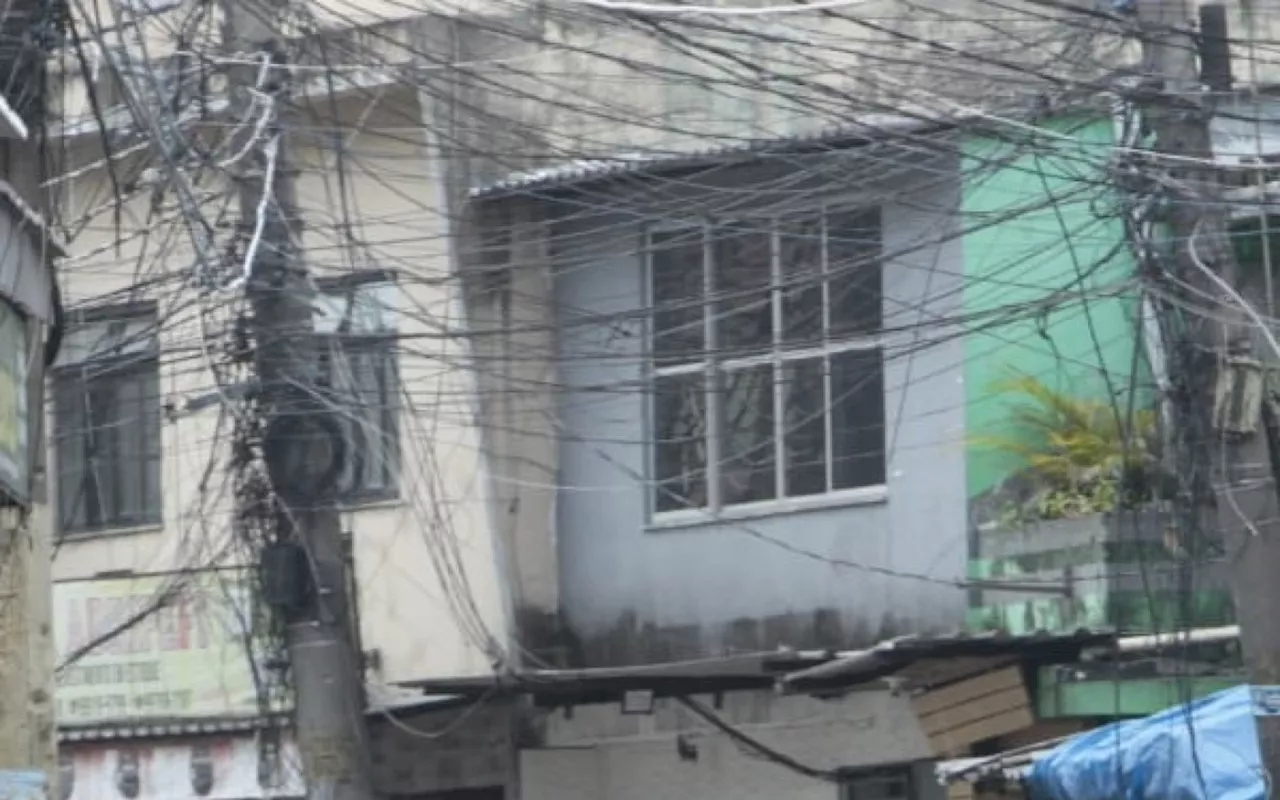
{"x":713,"y":368}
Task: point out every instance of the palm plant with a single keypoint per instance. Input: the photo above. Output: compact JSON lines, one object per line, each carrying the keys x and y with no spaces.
{"x":1079,"y":454}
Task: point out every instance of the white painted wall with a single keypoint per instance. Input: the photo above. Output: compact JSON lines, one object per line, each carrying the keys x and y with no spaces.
{"x":405,"y":613}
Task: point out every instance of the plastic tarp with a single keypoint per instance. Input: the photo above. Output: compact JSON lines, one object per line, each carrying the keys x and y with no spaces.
{"x":1206,"y":750}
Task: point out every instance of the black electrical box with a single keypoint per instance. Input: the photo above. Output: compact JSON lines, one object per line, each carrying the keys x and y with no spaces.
{"x":285,"y":578}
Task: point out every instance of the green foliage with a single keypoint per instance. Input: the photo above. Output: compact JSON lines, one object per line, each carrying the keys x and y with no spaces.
{"x":1080,"y":457}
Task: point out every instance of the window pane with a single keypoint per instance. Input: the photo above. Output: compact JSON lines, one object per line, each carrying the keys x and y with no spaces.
{"x":857,"y":419}
{"x":152,"y":502}
{"x":121,"y":460}
{"x":800,"y":253}
{"x":742,"y":274}
{"x":388,"y":419}
{"x":378,"y":402}
{"x":678,"y":333}
{"x":883,"y":787}
{"x":107,"y":434}
{"x":853,"y":264}
{"x":680,"y":442}
{"x":107,"y":424}
{"x":806,"y":427}
{"x":748,"y":472}
{"x":367,"y":418}
{"x":69,"y":450}
{"x":361,"y":372}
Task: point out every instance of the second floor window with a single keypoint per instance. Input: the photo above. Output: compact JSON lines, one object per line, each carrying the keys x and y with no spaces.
{"x":107,"y":420}
{"x":358,"y":360}
{"x":767,"y":367}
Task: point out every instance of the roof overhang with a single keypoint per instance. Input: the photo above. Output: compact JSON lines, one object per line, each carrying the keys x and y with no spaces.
{"x":913,"y":662}
{"x":859,"y":131}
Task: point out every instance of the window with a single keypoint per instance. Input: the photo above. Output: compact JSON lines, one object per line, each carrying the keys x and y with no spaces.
{"x":880,"y":785}
{"x":767,"y":370}
{"x":106,"y":428}
{"x":358,"y":363}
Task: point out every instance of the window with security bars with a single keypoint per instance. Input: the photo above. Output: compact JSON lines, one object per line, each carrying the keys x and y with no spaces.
{"x":359,"y":367}
{"x":767,"y":367}
{"x":107,"y":420}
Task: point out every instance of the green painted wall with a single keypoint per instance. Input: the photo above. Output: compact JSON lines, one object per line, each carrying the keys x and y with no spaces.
{"x":1136,"y":697}
{"x":1041,"y":224}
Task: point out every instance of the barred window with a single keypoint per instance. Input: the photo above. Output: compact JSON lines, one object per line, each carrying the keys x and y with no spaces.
{"x":766,"y":362}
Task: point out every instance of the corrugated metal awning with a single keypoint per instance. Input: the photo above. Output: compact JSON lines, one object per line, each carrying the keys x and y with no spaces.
{"x":935,"y":658}
{"x":918,"y":660}
{"x":859,"y":130}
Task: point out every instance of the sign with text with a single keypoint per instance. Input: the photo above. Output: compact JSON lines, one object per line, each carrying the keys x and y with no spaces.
{"x":153,"y":647}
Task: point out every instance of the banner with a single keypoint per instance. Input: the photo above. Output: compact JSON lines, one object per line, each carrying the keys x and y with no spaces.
{"x":185,"y":657}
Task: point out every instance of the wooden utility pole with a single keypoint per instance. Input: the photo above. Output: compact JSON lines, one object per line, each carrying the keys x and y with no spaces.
{"x":302,"y":443}
{"x":1224,"y":420}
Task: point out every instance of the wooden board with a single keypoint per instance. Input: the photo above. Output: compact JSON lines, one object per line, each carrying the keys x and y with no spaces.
{"x":956,"y":716}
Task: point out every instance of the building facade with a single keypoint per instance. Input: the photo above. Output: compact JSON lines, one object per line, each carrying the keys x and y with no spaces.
{"x":701,"y":512}
{"x":777,"y":457}
{"x":31,"y":327}
{"x":153,"y":599}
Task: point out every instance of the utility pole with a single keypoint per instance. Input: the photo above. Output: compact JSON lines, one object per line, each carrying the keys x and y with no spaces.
{"x":1225,"y":422}
{"x":302,"y":441}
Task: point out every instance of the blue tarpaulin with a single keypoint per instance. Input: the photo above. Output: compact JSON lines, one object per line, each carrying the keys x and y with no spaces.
{"x":1204,"y":750}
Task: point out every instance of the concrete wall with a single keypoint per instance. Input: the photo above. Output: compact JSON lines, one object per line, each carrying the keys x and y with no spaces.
{"x":567,"y":82}
{"x":600,"y":753}
{"x":409,"y":614}
{"x":822,"y":574}
{"x":512,"y":322}
{"x":26,"y":641}
{"x":26,"y":645}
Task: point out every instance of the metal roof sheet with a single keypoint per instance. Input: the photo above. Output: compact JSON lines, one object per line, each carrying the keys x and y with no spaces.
{"x":894,"y":656}
{"x":916,"y":659}
{"x":861,"y":130}
{"x":1012,"y":765}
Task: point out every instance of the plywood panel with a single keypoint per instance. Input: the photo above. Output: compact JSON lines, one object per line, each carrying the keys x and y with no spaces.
{"x":984,"y":707}
{"x":964,"y":691}
{"x":958,"y":740}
